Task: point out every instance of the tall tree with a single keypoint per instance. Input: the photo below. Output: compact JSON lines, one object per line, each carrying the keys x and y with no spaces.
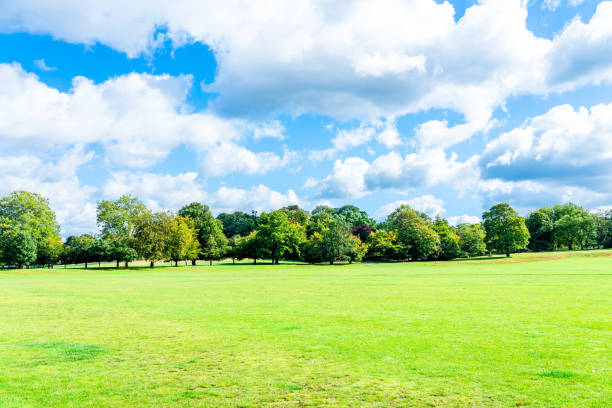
{"x":573,"y":226}
{"x":541,"y":229}
{"x":17,"y":248}
{"x":449,"y":240}
{"x":180,"y":238}
{"x":505,"y":229}
{"x":353,"y":216}
{"x":416,"y":237}
{"x":472,"y":239}
{"x":277,"y":236}
{"x":383,"y":246}
{"x":117,"y":221}
{"x":212,"y":240}
{"x":150,"y":236}
{"x":30,"y":213}
{"x":238,"y":223}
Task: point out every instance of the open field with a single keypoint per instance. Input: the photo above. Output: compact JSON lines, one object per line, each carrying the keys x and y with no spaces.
{"x":534,"y":330}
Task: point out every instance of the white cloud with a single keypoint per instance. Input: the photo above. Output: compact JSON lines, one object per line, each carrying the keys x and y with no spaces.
{"x":170,"y":192}
{"x":347,"y":179}
{"x":351,"y":60}
{"x":463,"y":219}
{"x":56,"y":180}
{"x":138,"y":118}
{"x":551,"y":5}
{"x":427,"y":203}
{"x":42,"y":65}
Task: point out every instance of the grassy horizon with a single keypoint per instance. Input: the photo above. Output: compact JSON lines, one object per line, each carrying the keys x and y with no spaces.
{"x":532,"y":330}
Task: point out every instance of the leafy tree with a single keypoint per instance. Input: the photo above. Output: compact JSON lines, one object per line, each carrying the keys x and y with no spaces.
{"x":541,"y":229}
{"x":247,"y":247}
{"x":211,"y":239}
{"x":80,"y":249}
{"x":416,"y":237}
{"x":277,"y":236}
{"x":363,"y":231}
{"x":505,"y":229}
{"x":150,"y":236}
{"x":383,"y":246}
{"x":332,"y":241}
{"x":180,"y":238}
{"x":117,"y":221}
{"x":449,"y":240}
{"x":353,"y":216}
{"x":603,"y":227}
{"x":296,"y":215}
{"x":238,"y":223}
{"x":49,"y":251}
{"x":17,"y":247}
{"x":472,"y":239}
{"x":31,"y":213}
{"x":322,"y":209}
{"x":573,"y":225}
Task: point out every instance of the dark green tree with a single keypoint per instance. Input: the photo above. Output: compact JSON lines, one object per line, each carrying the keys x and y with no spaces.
{"x":541,"y":230}
{"x":505,"y":229}
{"x":416,"y":237}
{"x":472,"y":239}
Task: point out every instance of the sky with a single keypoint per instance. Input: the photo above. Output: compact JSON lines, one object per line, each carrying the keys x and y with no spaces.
{"x":447,"y":106}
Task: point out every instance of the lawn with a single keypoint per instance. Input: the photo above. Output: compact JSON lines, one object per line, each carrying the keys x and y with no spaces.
{"x":535,"y":330}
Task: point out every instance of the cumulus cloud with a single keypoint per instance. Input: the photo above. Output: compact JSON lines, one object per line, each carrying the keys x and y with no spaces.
{"x":42,"y":65}
{"x":138,"y":118}
{"x":463,"y":219}
{"x":56,"y":180}
{"x":170,"y":192}
{"x":427,"y":203}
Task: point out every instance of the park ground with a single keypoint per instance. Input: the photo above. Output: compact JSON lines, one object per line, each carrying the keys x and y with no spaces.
{"x":534,"y":330}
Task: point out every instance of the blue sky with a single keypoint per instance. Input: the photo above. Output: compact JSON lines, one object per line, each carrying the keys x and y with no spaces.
{"x":449,"y":107}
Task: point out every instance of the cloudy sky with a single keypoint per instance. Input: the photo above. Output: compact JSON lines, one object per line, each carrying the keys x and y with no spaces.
{"x":448,"y":106}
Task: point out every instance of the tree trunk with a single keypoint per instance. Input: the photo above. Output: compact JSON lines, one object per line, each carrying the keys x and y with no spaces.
{"x":331,"y":261}
{"x":507,"y":254}
{"x":117,"y":264}
{"x":98,"y":264}
{"x":350,"y":261}
{"x":175,"y":263}
{"x":233,"y":260}
{"x":254,"y":261}
{"x":126,"y":264}
{"x":210,"y":262}
{"x":193,"y":262}
{"x":152,"y":264}
{"x":85,"y":265}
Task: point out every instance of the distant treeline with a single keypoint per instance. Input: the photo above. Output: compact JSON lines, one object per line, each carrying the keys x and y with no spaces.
{"x":128,"y":231}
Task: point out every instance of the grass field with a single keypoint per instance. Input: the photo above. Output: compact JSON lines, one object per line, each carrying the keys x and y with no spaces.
{"x":535,"y":330}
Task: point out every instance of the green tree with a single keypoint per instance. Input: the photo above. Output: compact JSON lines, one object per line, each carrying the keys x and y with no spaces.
{"x":277,"y":236}
{"x":541,"y":230}
{"x":336,"y":241}
{"x":247,"y":247}
{"x":296,"y":215}
{"x":17,"y":248}
{"x":150,"y":235}
{"x":505,"y":229}
{"x":603,"y":228}
{"x":383,"y":246}
{"x":180,"y":238}
{"x":80,"y":249}
{"x":238,"y":223}
{"x":449,"y":240}
{"x":31,"y":213}
{"x":117,"y":221}
{"x":472,"y":239}
{"x":211,"y":239}
{"x":353,"y":216}
{"x":573,"y":226}
{"x":415,"y":236}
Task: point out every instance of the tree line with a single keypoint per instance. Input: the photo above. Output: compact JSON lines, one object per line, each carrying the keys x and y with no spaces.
{"x":129,"y":231}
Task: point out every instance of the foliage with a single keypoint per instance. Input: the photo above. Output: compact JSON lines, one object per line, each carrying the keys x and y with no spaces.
{"x":449,"y":240}
{"x":573,"y":226}
{"x":541,"y":230}
{"x":353,"y":216}
{"x":277,"y":236}
{"x":181,"y":240}
{"x":472,"y":239}
{"x":17,"y":247}
{"x":238,"y":223}
{"x":211,"y":239}
{"x":415,"y":236}
{"x":505,"y":229}
{"x":383,"y":246}
{"x":603,"y":227}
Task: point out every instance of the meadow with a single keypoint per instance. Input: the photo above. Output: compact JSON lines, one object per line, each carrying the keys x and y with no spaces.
{"x":534,"y":330}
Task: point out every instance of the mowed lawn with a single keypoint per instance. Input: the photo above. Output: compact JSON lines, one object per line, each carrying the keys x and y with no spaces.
{"x":535,"y":330}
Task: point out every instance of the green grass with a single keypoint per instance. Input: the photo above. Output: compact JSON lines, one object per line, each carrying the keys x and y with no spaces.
{"x":534,"y":330}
